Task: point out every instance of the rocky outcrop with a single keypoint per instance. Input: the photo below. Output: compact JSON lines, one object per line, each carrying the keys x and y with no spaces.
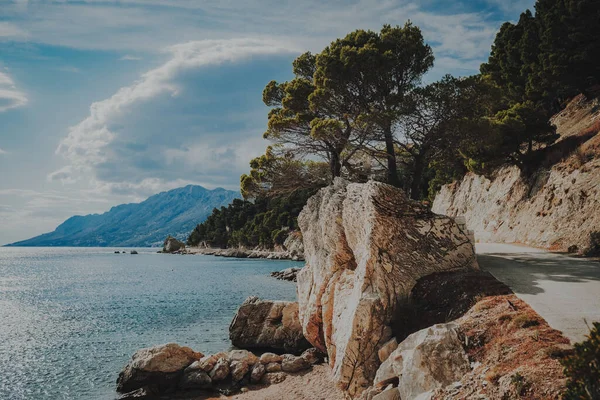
{"x":557,"y":209}
{"x":427,"y":360}
{"x":366,"y":245}
{"x":171,"y":368}
{"x":247,"y":253}
{"x":556,"y":206}
{"x":172,"y":245}
{"x":499,"y":349}
{"x":266,"y":324}
{"x":158,"y":367}
{"x":294,"y":246}
{"x":288,"y":274}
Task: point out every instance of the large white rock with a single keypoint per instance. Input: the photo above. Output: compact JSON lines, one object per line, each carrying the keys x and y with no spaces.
{"x":365,"y":247}
{"x":429,"y":359}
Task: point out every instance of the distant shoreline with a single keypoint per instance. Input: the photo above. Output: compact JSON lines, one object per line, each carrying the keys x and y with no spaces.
{"x":242,"y":253}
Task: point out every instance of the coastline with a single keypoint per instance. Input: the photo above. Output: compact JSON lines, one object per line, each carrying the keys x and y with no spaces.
{"x":242,"y":253}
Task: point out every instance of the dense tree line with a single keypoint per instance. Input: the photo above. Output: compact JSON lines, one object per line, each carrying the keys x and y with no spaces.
{"x":358,"y":110}
{"x":264,"y":222}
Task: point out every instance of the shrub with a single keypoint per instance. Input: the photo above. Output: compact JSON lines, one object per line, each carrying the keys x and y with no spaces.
{"x":583,"y":368}
{"x":525,"y":321}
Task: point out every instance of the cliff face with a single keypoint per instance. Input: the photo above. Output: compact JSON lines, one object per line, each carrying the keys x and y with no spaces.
{"x":557,"y":207}
{"x":366,"y":245}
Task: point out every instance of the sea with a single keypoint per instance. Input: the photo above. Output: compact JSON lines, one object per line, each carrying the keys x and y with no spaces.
{"x":70,"y":318}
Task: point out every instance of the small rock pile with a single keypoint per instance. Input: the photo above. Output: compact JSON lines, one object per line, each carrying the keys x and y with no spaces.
{"x":170,"y":368}
{"x":288,"y":274}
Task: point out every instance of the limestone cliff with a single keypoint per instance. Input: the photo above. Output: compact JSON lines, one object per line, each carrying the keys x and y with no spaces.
{"x":366,"y":245}
{"x":557,"y":207}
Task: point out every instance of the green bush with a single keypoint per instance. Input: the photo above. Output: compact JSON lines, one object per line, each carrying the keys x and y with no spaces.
{"x":583,"y":368}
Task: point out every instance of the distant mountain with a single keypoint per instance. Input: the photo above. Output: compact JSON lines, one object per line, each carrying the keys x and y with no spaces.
{"x":176,"y":213}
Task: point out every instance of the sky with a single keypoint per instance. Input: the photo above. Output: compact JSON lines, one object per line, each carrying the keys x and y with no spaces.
{"x":104,"y":102}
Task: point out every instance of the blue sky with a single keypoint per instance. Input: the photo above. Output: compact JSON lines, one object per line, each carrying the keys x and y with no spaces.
{"x":104,"y":102}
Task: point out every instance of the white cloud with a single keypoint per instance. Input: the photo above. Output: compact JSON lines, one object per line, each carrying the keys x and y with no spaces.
{"x":3,"y":151}
{"x":10,"y":97}
{"x":128,"y":57}
{"x":63,"y":175}
{"x":135,"y":25}
{"x":9,"y":30}
{"x":94,"y":142}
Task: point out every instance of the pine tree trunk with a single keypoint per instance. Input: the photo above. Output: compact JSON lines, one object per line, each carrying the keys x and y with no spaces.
{"x":415,"y":186}
{"x":392,"y":173}
{"x":335,"y":165}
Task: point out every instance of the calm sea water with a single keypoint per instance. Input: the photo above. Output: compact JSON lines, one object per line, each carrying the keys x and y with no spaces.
{"x":70,"y":318}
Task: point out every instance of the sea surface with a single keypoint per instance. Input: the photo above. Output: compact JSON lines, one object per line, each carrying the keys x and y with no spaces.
{"x":70,"y":318}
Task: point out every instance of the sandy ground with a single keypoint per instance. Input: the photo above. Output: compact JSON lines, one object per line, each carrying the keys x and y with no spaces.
{"x":312,"y":385}
{"x":564,"y":290}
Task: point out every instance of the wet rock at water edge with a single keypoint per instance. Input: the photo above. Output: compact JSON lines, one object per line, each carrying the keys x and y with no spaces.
{"x":159,"y":366}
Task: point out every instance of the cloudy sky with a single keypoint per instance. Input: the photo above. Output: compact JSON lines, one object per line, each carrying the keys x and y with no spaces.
{"x":109,"y":101}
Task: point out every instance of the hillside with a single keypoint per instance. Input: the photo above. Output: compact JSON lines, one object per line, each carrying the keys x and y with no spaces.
{"x":175,"y":213}
{"x":555,"y":207}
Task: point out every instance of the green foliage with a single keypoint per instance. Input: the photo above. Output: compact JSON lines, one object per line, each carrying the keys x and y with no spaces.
{"x":547,"y":57}
{"x":273,"y":175}
{"x":370,"y":74}
{"x":583,"y":368}
{"x":264,"y":222}
{"x":522,"y":128}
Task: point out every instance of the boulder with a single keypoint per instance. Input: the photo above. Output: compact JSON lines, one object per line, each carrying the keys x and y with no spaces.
{"x":273,"y":367}
{"x":427,"y":360}
{"x":238,"y":370}
{"x":273,"y":378}
{"x":257,"y":373}
{"x":244,"y":356}
{"x":206,"y":363}
{"x":268,"y":358}
{"x":160,"y":366}
{"x":366,"y":245}
{"x":144,"y":393}
{"x":195,"y":379}
{"x":312,"y":356}
{"x":172,"y":245}
{"x":220,"y":371}
{"x":293,"y":363}
{"x":288,"y":274}
{"x":266,"y":324}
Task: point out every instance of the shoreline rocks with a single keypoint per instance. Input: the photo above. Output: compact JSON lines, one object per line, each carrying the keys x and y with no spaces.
{"x":172,"y":245}
{"x":268,"y":325}
{"x":246,"y":253}
{"x":288,"y":274}
{"x":366,"y":245}
{"x":171,"y":368}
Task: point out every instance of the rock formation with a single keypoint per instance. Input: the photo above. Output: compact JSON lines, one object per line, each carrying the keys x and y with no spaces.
{"x":365,"y":247}
{"x":170,"y":368}
{"x":160,"y":367}
{"x":555,"y":207}
{"x":429,"y":359}
{"x":267,"y":324}
{"x":288,"y":274}
{"x":171,"y":245}
{"x":294,"y":246}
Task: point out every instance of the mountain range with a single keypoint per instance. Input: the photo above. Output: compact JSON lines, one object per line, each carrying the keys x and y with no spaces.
{"x":175,"y":212}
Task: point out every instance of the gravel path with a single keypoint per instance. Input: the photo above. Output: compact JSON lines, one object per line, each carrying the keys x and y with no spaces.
{"x":564,"y":290}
